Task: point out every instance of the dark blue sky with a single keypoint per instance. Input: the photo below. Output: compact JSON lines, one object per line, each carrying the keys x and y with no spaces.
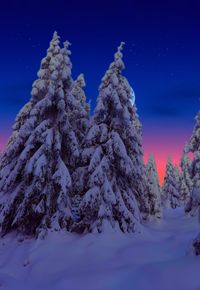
{"x":162,"y":56}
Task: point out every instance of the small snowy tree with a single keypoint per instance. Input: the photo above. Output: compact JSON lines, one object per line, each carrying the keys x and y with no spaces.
{"x":112,"y":153}
{"x":153,"y":188}
{"x":177,"y":176}
{"x":186,"y":181}
{"x":35,"y":170}
{"x":165,"y":188}
{"x":171,"y":186}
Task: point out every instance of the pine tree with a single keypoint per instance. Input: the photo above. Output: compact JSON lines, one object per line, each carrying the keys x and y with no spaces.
{"x":80,"y":122}
{"x":186,"y":181}
{"x":140,"y":176}
{"x":80,"y":115}
{"x":194,"y":203}
{"x":194,"y":144}
{"x":184,"y":193}
{"x":165,"y":188}
{"x":171,"y":195}
{"x":177,"y":176}
{"x":154,"y":188}
{"x":112,"y":152}
{"x":35,"y":170}
{"x":194,"y":147}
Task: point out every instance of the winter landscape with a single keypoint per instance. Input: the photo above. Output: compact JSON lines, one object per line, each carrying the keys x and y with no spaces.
{"x":78,"y":206}
{"x":82,"y":206}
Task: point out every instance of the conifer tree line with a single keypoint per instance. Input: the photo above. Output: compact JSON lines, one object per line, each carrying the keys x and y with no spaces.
{"x":65,"y":168}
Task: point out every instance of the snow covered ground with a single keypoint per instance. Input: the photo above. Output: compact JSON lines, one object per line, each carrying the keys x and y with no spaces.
{"x":157,"y":259}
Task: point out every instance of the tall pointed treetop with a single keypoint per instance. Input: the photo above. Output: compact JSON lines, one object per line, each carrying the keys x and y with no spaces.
{"x":118,"y":57}
{"x":115,"y":171}
{"x":35,"y":176}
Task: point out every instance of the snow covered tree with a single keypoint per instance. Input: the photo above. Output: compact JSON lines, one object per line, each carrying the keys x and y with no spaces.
{"x":165,"y":187}
{"x":80,"y":114}
{"x":79,"y":118}
{"x":154,"y":188}
{"x":194,"y":147}
{"x":140,"y":176}
{"x":35,"y":170}
{"x":194,"y":143}
{"x":186,"y":181}
{"x":171,"y":186}
{"x":113,"y":157}
{"x":184,"y":193}
{"x":194,"y":203}
{"x":177,"y":176}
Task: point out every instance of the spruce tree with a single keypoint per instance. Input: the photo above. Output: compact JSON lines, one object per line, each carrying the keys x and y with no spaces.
{"x":113,"y":158}
{"x":177,"y":177}
{"x":153,"y":188}
{"x":186,"y":180}
{"x":143,"y":193}
{"x":80,"y":121}
{"x":171,"y":186}
{"x":35,"y":170}
{"x":194,"y":143}
{"x":194,"y":203}
{"x":80,"y":114}
{"x":194,"y":147}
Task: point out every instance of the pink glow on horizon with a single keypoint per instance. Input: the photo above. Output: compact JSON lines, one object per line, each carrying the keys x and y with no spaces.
{"x":161,"y":150}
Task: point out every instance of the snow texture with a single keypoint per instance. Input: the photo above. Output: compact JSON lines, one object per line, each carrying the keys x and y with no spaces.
{"x":158,"y":258}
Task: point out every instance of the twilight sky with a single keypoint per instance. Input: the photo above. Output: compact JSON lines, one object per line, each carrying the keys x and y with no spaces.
{"x":162,"y":58}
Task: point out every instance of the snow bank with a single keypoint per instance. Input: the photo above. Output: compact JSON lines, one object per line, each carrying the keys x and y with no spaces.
{"x":153,"y":260}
